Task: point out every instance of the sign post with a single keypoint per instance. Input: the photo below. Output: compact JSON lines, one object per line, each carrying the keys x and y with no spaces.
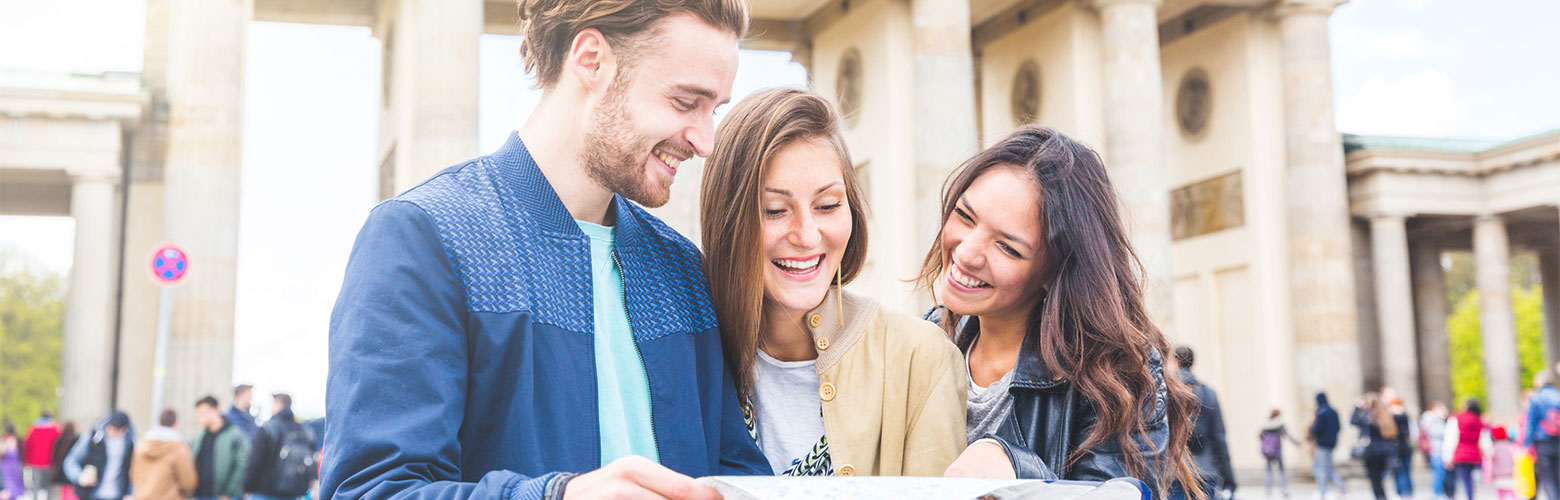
{"x":169,"y":265}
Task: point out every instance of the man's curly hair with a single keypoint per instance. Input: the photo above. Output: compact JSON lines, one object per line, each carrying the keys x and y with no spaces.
{"x":549,"y":27}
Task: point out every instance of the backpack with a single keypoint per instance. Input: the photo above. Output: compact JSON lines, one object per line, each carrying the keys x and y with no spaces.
{"x":295,"y":464}
{"x":1550,"y":425}
{"x":1270,"y":444}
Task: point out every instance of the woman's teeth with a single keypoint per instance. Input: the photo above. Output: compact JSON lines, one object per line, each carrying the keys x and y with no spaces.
{"x":965,"y":279}
{"x":799,"y":265}
{"x":669,"y":160}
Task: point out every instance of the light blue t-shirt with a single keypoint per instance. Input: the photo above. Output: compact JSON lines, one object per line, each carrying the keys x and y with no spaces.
{"x":622,"y":391}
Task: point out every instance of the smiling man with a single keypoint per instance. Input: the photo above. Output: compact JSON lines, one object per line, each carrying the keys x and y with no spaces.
{"x":518,"y":319}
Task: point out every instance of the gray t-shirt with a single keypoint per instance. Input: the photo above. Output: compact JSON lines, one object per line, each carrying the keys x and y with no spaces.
{"x":786,"y":410}
{"x":988,"y":406}
{"x":108,"y":478}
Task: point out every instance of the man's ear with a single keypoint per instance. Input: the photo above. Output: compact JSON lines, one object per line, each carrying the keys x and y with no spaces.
{"x":590,"y":60}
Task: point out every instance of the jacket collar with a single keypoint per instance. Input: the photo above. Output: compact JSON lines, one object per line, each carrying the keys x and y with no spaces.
{"x":836,"y":325}
{"x":524,"y":188}
{"x":1028,"y":372}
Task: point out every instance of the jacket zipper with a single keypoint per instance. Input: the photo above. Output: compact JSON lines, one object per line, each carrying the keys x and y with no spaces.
{"x":649,"y":400}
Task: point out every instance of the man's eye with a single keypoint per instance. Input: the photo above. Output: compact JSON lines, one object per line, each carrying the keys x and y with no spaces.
{"x":683,"y":105}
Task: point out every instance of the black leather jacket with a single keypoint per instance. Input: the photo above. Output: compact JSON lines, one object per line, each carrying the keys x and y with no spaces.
{"x":1051,"y":418}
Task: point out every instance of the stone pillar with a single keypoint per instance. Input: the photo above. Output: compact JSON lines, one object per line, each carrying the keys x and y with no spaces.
{"x":1492,"y":267}
{"x":430,"y":69}
{"x":1549,"y":269}
{"x":1321,"y":284}
{"x":89,"y":311}
{"x":1395,"y":306}
{"x":1435,"y":362}
{"x":205,"y":87}
{"x":944,"y":107}
{"x":1134,"y":141}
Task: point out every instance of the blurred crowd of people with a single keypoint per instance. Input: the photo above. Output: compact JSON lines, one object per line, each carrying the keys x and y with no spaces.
{"x":228,"y":456}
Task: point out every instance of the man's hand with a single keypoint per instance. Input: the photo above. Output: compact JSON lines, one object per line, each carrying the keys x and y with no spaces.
{"x":636,"y":477}
{"x":983,"y":459}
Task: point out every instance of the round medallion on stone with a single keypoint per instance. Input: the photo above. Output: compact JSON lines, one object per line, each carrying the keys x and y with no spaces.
{"x":847,"y":86}
{"x":1194,"y":103}
{"x":1025,"y":97}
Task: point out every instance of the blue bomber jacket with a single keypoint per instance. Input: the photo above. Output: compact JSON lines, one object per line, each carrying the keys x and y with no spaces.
{"x":461,"y":354}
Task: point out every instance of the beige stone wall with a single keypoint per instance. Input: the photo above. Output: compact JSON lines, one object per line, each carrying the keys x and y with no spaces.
{"x":1065,"y":44}
{"x":1231,"y":285}
{"x":880,"y":142}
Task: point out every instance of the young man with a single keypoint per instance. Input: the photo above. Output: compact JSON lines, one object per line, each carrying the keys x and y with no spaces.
{"x":281,"y":457}
{"x":162,"y":468}
{"x":1208,"y":445}
{"x":238,"y":414}
{"x":518,"y":318}
{"x":99,"y":464}
{"x":221,"y":454}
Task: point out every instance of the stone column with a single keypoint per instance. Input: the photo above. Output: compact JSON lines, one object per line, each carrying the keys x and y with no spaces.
{"x":1395,"y":306}
{"x":430,"y":66}
{"x":1134,"y":140}
{"x":88,"y":360}
{"x":1321,"y":284}
{"x":206,"y":47}
{"x":1549,"y":269}
{"x":1435,"y":362}
{"x":1492,"y":266}
{"x":944,"y":107}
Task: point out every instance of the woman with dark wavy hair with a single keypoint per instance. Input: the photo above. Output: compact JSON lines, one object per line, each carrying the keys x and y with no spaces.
{"x":1041,"y":290}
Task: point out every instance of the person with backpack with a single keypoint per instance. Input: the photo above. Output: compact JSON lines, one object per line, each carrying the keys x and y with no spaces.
{"x":1543,"y":435}
{"x":281,"y":457}
{"x":221,"y":452}
{"x":1272,"y":438}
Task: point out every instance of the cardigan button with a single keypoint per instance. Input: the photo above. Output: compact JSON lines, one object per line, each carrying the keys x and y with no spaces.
{"x":823,"y":343}
{"x":815,"y":320}
{"x":846,"y":470}
{"x":826,"y":391}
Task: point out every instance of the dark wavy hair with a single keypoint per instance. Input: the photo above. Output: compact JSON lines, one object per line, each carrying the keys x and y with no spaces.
{"x":1090,"y":324}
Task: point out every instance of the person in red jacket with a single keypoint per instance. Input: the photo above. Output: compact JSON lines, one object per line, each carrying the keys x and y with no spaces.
{"x":38,"y":453}
{"x":1466,"y":456}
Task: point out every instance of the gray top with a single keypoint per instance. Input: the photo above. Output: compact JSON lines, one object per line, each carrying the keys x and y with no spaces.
{"x":987,"y":406}
{"x":786,"y":410}
{"x":108,"y":478}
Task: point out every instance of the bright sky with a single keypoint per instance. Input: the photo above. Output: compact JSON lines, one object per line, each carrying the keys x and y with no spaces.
{"x":1445,"y":68}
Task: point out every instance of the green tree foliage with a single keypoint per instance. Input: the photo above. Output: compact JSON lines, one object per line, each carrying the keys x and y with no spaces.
{"x":32,"y":312}
{"x":1467,"y":347}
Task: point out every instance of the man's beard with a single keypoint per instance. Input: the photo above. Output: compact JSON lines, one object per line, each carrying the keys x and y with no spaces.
{"x":610,"y":154}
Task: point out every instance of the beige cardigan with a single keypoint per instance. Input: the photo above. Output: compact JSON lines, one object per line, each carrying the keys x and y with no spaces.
{"x":892,"y":388}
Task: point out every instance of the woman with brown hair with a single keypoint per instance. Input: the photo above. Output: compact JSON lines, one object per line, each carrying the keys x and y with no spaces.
{"x":1040,"y":287}
{"x":830,"y":382}
{"x":1371,"y":416}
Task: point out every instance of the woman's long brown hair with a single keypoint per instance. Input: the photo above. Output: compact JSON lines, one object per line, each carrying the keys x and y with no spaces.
{"x":1091,"y":326}
{"x":730,"y":211}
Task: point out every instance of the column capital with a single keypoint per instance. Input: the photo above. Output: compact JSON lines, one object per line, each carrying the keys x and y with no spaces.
{"x":1102,"y":4}
{"x":1386,"y":215}
{"x":1286,"y":8}
{"x":93,"y":175}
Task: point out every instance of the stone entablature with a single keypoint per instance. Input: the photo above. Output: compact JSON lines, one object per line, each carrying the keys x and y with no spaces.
{"x":1414,"y":179}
